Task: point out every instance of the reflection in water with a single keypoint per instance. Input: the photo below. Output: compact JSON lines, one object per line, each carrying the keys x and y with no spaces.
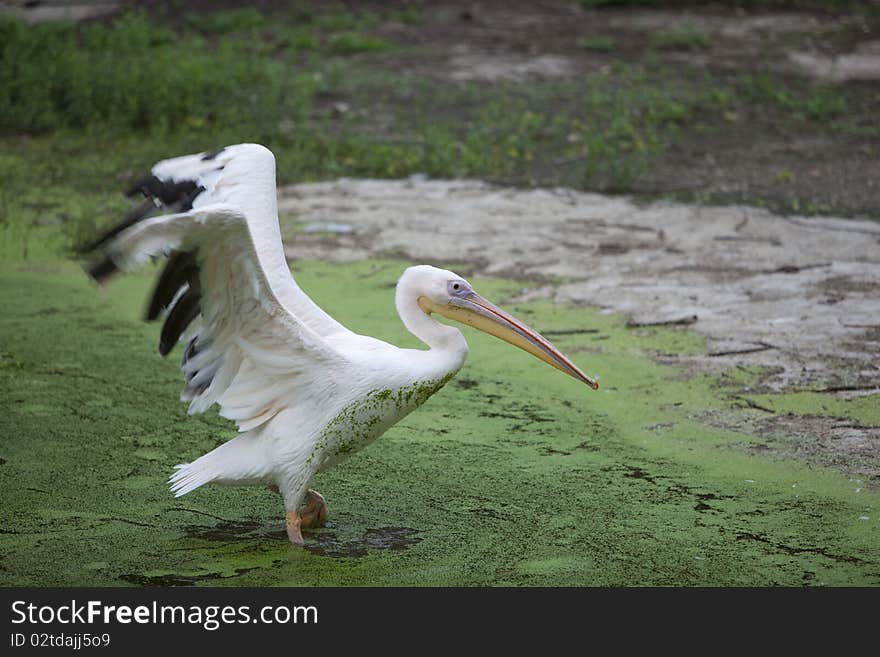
{"x":382,"y":538}
{"x":323,"y":542}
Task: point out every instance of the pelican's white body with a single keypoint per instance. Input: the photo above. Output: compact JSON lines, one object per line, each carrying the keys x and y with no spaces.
{"x":315,"y":432}
{"x":305,"y":391}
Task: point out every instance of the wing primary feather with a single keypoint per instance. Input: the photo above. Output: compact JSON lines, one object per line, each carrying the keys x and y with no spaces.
{"x":181,"y":268}
{"x":184,"y":311}
{"x":186,"y":201}
{"x":103,"y":270}
{"x":170,"y":192}
{"x":137,"y":214}
{"x":249,"y":333}
{"x":212,"y":155}
{"x":142,"y":186}
{"x":190,"y":351}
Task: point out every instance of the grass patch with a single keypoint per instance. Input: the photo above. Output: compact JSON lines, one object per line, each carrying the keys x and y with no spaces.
{"x":820,"y":102}
{"x":352,"y":43}
{"x":628,"y":120}
{"x":687,"y":38}
{"x":611,"y":132}
{"x":135,"y":75}
{"x":230,"y":20}
{"x":409,"y":15}
{"x":297,"y":38}
{"x":785,"y":177}
{"x":84,"y":108}
{"x":597,"y":43}
{"x":113,"y":98}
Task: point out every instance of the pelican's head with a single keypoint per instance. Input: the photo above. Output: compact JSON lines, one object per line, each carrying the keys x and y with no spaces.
{"x":448,"y":294}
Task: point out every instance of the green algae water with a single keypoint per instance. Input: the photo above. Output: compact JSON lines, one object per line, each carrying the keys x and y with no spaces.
{"x":512,"y":474}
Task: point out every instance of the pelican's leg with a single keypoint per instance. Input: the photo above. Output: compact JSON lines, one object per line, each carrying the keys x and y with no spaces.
{"x":312,"y":513}
{"x":294,"y":522}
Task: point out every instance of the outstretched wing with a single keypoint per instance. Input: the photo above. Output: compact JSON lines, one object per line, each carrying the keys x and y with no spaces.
{"x":254,"y":340}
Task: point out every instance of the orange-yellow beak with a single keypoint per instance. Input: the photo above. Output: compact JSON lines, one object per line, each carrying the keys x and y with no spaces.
{"x":474,"y":310}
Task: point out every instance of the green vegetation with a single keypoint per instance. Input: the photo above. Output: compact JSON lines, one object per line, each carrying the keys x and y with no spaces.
{"x":628,"y":120}
{"x":231,"y":20}
{"x":597,"y":43}
{"x":683,"y":39}
{"x":114,"y":97}
{"x":821,"y":102}
{"x":785,"y":176}
{"x":351,"y":43}
{"x":410,"y":14}
{"x":136,"y":75}
{"x":512,"y":474}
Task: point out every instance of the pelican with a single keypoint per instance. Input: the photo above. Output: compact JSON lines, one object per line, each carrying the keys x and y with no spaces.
{"x":305,"y":391}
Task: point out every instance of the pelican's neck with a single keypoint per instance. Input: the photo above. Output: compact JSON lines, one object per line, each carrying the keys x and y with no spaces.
{"x":427,"y":329}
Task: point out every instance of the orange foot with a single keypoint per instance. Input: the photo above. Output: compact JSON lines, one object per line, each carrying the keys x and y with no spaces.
{"x":313,"y":513}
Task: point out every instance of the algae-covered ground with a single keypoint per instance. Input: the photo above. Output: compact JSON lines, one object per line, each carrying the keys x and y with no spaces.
{"x":513,"y":474}
{"x":671,"y":474}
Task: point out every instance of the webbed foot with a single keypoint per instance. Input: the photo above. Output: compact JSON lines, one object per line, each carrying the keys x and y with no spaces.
{"x":313,"y":513}
{"x":314,"y":510}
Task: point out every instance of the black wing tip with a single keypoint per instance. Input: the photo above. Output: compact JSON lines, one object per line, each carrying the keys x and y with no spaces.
{"x":180,"y":269}
{"x":184,"y":311}
{"x":170,"y":193}
{"x":102,"y":270}
{"x":134,"y":216}
{"x":142,"y":186}
{"x":186,"y":201}
{"x":190,"y":351}
{"x":212,"y":155}
{"x":157,"y":192}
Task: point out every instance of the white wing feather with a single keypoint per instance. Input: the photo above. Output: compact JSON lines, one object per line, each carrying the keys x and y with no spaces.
{"x":260,"y":342}
{"x":243,"y":177}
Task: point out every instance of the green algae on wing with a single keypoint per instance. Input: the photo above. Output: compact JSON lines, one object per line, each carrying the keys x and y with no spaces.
{"x":510,"y":474}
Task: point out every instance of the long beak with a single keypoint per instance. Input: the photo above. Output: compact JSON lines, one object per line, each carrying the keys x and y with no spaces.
{"x":474,"y":310}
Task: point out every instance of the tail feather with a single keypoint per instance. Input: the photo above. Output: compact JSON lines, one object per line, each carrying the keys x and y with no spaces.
{"x":240,"y":461}
{"x":189,"y":476}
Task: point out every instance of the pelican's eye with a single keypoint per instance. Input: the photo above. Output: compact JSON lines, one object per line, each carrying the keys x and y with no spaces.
{"x":458,"y":288}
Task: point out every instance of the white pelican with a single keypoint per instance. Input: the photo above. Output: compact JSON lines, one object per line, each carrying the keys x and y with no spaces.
{"x":305,"y":391}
